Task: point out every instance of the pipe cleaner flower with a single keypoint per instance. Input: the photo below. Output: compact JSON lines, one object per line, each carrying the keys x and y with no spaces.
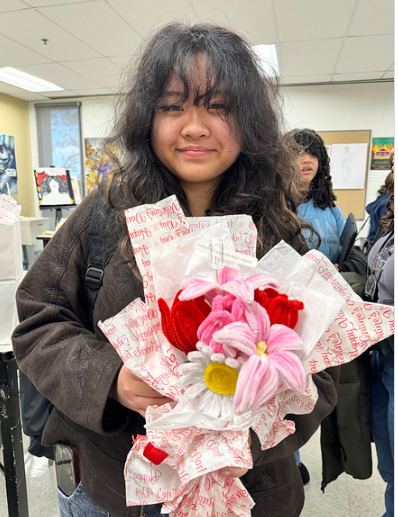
{"x":229,"y":282}
{"x":181,"y":322}
{"x":279,"y":307}
{"x":270,"y":351}
{"x":225,"y":310}
{"x":210,"y":379}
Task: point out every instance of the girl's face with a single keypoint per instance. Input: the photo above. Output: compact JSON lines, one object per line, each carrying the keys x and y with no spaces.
{"x":195,"y":143}
{"x":308,"y":166}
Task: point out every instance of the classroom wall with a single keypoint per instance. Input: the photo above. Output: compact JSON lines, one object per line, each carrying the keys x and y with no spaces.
{"x":14,"y":121}
{"x":322,"y":108}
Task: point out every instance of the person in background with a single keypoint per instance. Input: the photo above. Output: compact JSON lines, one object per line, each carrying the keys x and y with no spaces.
{"x":319,"y":208}
{"x":380,"y":288}
{"x":377,"y":208}
{"x":200,"y":120}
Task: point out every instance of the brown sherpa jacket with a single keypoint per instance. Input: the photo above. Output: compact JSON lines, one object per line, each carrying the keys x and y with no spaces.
{"x":75,"y":368}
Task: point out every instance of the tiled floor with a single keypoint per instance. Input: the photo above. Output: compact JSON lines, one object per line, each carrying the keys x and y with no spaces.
{"x":345,"y":497}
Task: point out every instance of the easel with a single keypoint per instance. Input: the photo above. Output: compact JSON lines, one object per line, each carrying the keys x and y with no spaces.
{"x":58,"y":216}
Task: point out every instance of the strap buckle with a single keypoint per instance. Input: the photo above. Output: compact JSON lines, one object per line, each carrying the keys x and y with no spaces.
{"x":94,"y":277}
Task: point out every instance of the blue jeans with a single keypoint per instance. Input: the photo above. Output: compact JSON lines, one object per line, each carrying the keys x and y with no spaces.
{"x":382,"y":421}
{"x":80,"y":505}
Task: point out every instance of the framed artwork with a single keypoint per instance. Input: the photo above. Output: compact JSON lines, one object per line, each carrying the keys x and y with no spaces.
{"x":348,"y":165}
{"x":97,"y":163}
{"x":8,"y":168}
{"x":381,"y":152}
{"x":54,"y":187}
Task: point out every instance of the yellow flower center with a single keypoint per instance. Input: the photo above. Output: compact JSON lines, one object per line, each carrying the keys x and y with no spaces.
{"x":221,"y":378}
{"x":261,"y":348}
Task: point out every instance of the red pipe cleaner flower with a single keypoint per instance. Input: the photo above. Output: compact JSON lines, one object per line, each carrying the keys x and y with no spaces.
{"x":280,"y":309}
{"x":181,"y":322}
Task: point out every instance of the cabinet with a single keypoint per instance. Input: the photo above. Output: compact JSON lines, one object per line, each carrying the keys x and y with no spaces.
{"x":31,"y":227}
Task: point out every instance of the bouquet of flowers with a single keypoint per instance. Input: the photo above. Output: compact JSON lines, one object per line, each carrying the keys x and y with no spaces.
{"x":233,"y":342}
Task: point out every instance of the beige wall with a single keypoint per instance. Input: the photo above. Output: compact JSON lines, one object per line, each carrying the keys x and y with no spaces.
{"x":14,"y":121}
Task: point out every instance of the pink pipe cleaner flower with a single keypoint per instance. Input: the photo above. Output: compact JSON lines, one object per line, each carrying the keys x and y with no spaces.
{"x":229,"y":282}
{"x":225,"y":310}
{"x":269,"y":350}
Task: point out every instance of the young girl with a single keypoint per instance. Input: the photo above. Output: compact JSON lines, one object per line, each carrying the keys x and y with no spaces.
{"x":199,"y":120}
{"x":319,"y":208}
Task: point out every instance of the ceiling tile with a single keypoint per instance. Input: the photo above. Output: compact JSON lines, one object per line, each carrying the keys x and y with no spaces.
{"x":40,"y":3}
{"x":11,"y":5}
{"x":307,"y":79}
{"x":300,"y":20}
{"x":29,"y":27}
{"x":362,"y":76}
{"x":13,"y":54}
{"x":389,"y":74}
{"x":373,"y":18}
{"x":366,"y":54}
{"x":95,"y":92}
{"x":61,"y":76}
{"x":19,"y":93}
{"x":61,"y":95}
{"x":90,"y":41}
{"x":308,"y":57}
{"x":96,"y":24}
{"x":101,"y":70}
{"x":142,"y":16}
{"x":256,"y":23}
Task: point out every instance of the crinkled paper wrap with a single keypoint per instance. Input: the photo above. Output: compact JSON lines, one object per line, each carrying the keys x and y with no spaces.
{"x":336,"y":326}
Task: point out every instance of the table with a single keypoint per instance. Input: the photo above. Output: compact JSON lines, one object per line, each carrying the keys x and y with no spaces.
{"x":11,"y":436}
{"x":44,"y":238}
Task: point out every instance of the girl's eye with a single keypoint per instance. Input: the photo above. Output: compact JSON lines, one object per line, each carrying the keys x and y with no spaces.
{"x":171,"y":107}
{"x":218,"y":106}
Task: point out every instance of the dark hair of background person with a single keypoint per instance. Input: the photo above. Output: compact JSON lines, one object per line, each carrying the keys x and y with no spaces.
{"x":321,"y":188}
{"x":388,"y":186}
{"x":261,"y":182}
{"x":386,"y":223}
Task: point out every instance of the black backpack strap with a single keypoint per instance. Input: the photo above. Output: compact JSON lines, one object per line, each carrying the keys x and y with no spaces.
{"x":103,"y":238}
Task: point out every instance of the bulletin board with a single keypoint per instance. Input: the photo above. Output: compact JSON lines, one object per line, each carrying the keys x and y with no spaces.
{"x":350,"y":200}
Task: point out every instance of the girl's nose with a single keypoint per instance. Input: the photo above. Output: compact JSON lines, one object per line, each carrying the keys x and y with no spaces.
{"x":196,"y":123}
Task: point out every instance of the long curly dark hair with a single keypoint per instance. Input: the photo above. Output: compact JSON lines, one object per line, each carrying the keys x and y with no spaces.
{"x":261,"y":182}
{"x":386,"y":223}
{"x":321,"y":188}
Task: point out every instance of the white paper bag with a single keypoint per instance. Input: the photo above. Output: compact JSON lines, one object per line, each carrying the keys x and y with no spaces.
{"x":11,"y":270}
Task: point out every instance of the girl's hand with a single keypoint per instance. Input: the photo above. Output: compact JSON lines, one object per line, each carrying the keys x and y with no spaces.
{"x":134,"y":393}
{"x":233,"y":472}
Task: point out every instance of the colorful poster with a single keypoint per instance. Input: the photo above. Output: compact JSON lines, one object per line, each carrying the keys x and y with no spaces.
{"x":98,"y":163}
{"x":381,"y":151}
{"x":8,"y":168}
{"x":54,"y":187}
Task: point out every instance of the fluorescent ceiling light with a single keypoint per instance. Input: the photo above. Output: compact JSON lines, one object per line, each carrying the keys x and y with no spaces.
{"x":26,"y":81}
{"x":268,"y":59}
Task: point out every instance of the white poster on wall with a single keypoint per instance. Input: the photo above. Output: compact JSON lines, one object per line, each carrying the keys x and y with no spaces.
{"x":348,"y":165}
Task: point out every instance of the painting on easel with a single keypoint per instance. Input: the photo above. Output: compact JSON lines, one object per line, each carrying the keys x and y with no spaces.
{"x":54,"y":187}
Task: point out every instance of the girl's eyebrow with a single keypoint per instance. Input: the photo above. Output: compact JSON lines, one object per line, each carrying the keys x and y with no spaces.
{"x":173,"y":94}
